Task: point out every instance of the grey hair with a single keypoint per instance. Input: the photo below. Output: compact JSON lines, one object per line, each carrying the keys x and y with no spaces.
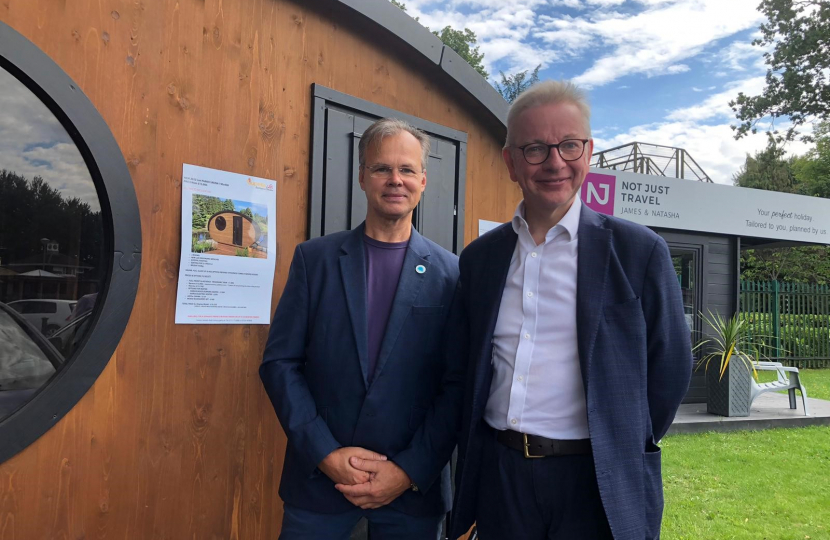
{"x":387,"y":127}
{"x":549,"y":93}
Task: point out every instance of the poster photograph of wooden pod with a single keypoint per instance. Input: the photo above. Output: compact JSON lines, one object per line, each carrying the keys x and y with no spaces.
{"x":236,"y":228}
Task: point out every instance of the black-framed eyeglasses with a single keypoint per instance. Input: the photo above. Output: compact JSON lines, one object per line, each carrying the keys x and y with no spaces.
{"x":569,"y":150}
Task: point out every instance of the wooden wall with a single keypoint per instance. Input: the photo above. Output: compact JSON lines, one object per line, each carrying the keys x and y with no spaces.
{"x":176,"y":439}
{"x":225,"y":236}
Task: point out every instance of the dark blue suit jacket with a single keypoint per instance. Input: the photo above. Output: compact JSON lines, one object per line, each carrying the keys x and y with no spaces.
{"x":634,"y":351}
{"x":315,"y":372}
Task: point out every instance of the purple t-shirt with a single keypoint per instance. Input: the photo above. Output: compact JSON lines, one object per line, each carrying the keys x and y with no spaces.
{"x":384,"y":261}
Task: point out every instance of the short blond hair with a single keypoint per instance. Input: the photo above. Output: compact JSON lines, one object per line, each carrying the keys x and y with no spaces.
{"x":549,"y":93}
{"x":389,"y":127}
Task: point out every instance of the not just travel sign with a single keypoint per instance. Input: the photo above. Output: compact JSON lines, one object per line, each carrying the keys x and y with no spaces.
{"x":671,"y":203}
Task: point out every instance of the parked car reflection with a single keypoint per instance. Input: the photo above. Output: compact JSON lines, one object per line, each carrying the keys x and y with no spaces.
{"x":27,"y":360}
{"x":47,"y":315}
{"x":67,"y":339}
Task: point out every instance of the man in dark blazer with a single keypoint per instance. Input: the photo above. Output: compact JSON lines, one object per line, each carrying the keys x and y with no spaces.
{"x":353,"y":363}
{"x":579,"y":354}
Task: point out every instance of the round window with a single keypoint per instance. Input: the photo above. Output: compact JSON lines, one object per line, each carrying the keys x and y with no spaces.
{"x":68,"y":267}
{"x":220,"y":223}
{"x":51,"y":245}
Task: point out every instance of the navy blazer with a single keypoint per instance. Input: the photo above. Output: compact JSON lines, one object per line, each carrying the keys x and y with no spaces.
{"x":315,"y":363}
{"x":634,"y":353}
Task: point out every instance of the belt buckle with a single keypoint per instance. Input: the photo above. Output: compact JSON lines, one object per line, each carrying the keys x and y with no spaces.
{"x":526,"y":445}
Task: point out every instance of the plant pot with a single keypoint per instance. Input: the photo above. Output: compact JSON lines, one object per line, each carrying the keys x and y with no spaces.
{"x":728,"y":396}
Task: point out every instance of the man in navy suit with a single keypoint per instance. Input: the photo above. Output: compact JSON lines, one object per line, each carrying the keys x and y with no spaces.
{"x":579,"y":354}
{"x":354,"y":364}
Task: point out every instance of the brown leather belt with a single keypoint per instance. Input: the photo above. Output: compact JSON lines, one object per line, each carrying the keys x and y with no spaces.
{"x":534,"y":446}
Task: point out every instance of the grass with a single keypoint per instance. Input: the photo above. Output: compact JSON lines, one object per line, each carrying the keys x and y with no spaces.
{"x":750,"y":485}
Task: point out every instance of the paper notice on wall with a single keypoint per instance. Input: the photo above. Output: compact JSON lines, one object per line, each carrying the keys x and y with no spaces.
{"x":485,"y":226}
{"x":228,"y":251}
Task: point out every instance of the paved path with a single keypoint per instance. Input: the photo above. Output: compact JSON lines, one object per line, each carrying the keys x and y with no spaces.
{"x":770,"y":410}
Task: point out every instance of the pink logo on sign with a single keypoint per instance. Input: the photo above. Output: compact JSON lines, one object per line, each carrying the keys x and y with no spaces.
{"x":598,"y":192}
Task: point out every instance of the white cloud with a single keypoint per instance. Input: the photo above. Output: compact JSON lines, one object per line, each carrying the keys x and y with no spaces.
{"x":717,"y":105}
{"x":677,"y":68}
{"x":503,"y":28}
{"x":651,"y":42}
{"x":712,"y":145}
{"x":33,"y":143}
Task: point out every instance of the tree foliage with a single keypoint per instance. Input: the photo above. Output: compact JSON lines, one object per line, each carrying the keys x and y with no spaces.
{"x":769,"y":169}
{"x":797,"y":85}
{"x":812,"y":171}
{"x":205,"y":206}
{"x":31,"y":210}
{"x":461,"y":41}
{"x":810,"y":264}
{"x":510,"y":87}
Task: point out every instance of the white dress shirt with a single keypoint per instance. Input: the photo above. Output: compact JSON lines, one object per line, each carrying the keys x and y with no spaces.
{"x":537,"y":383}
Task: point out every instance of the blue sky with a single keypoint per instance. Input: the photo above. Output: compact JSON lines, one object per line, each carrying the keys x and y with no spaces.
{"x":656,"y":71}
{"x":255,"y":208}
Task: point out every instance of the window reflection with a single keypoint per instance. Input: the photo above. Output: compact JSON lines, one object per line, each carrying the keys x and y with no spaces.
{"x":51,"y":244}
{"x":684,"y":266}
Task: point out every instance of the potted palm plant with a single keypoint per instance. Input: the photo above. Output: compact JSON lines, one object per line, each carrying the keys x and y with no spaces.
{"x":729,"y":356}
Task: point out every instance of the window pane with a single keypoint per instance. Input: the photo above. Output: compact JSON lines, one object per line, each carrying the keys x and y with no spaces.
{"x":51,"y":244}
{"x":684,"y":266}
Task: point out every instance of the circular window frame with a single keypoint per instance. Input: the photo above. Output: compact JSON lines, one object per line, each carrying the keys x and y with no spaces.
{"x":122,"y":240}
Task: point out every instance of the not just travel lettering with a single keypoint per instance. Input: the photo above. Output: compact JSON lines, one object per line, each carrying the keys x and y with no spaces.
{"x":644,"y":199}
{"x":643,"y":193}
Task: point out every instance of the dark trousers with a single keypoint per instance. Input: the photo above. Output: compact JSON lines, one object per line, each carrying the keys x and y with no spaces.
{"x":551,"y":498}
{"x":384,"y":524}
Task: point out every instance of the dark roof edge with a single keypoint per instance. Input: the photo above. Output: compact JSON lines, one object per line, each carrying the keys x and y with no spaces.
{"x":396,"y":21}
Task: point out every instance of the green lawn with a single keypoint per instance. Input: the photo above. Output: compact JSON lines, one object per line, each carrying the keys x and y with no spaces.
{"x":751,"y":485}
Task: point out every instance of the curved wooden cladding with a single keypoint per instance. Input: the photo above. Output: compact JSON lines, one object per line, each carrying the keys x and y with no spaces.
{"x":223,"y":231}
{"x":176,"y":439}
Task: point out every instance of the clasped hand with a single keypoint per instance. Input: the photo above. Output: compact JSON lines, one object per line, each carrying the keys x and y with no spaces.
{"x":367,"y":479}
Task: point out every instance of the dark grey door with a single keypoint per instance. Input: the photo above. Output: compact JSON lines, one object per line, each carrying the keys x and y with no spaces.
{"x":707,"y":271}
{"x":338,"y":203}
{"x":237,"y":230}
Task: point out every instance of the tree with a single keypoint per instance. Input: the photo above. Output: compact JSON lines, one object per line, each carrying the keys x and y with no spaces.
{"x":461,"y":41}
{"x":247,"y":213}
{"x":768,"y":170}
{"x":810,"y":264}
{"x":515,"y":84}
{"x":812,"y":171}
{"x":797,"y":82}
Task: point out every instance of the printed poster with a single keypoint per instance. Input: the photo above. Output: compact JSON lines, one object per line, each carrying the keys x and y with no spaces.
{"x":228,"y":255}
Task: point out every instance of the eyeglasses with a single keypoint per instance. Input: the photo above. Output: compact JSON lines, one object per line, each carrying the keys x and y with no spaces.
{"x":384,"y":172}
{"x":569,"y":150}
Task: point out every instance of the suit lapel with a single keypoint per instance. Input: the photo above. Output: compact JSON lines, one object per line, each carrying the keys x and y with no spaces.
{"x":592,"y":266}
{"x":499,"y":254}
{"x":353,"y":273}
{"x":409,"y":284}
{"x":488,"y":292}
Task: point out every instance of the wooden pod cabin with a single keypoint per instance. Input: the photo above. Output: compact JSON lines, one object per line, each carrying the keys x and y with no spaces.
{"x":233,"y":228}
{"x":158,"y":430}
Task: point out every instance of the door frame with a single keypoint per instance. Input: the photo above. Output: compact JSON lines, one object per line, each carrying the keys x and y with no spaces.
{"x":322,"y":97}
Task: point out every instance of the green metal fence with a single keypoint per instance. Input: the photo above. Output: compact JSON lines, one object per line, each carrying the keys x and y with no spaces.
{"x":792,"y":318}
